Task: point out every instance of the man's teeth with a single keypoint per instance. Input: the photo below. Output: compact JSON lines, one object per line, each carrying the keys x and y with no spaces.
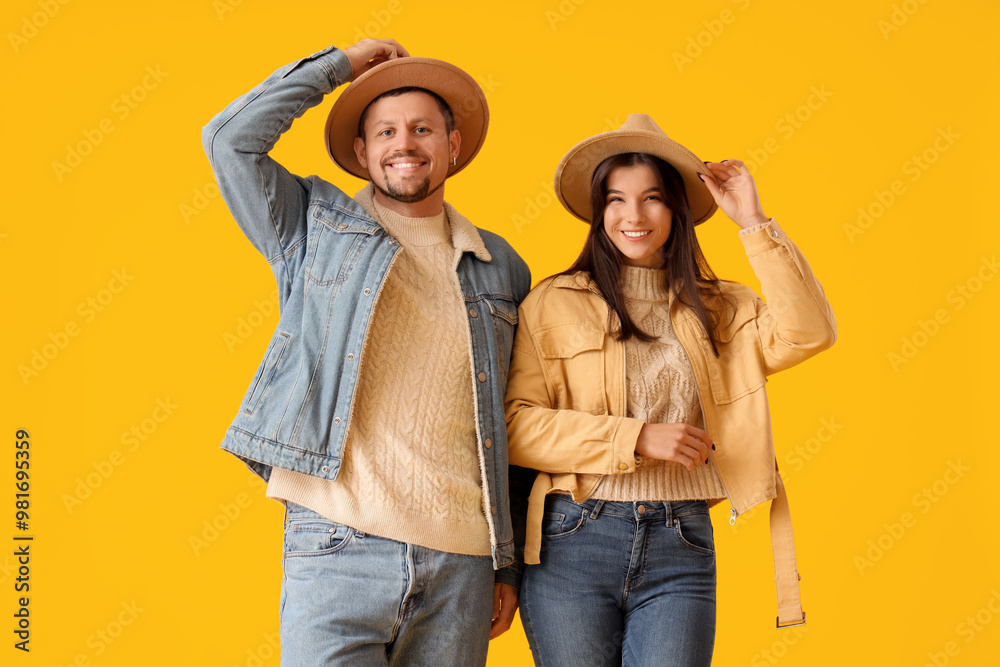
{"x":405,"y":165}
{"x":635,"y":235}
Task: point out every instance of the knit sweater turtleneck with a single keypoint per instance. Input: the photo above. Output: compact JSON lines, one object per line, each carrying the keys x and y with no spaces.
{"x":660,"y":389}
{"x":410,"y":469}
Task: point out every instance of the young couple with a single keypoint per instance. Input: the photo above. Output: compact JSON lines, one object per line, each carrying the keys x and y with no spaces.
{"x":410,"y":361}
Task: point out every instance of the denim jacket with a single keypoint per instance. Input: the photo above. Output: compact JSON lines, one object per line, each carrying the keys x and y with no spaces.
{"x":330,"y":259}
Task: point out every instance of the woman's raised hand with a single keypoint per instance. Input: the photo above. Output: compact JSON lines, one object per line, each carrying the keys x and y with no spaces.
{"x":680,"y":443}
{"x":735,"y":192}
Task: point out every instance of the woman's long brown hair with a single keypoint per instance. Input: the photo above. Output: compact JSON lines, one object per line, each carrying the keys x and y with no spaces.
{"x":683,"y":259}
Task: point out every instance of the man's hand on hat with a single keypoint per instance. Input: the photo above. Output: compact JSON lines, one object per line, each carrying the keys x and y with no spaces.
{"x":370,"y":52}
{"x":734,"y":190}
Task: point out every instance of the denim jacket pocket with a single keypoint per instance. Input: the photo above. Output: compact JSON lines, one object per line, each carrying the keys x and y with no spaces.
{"x":266,"y":372}
{"x":503,"y":312}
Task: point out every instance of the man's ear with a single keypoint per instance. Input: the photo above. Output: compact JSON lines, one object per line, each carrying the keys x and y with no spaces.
{"x":454,"y":143}
{"x":359,"y":150}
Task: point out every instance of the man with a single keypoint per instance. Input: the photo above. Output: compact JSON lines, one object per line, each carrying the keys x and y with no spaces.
{"x":376,"y":414}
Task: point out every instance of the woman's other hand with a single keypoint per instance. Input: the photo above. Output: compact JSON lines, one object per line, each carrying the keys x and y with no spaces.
{"x":680,"y":443}
{"x":735,"y":192}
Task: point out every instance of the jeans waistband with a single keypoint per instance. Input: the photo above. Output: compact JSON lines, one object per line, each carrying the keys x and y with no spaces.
{"x":641,"y":510}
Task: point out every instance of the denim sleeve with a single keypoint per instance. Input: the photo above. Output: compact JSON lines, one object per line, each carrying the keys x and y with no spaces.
{"x":267,"y":201}
{"x":520,"y":480}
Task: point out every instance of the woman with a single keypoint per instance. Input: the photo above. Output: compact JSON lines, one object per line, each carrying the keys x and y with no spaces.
{"x":636,"y":389}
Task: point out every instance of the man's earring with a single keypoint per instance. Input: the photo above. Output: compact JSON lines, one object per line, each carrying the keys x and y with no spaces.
{"x":454,"y":161}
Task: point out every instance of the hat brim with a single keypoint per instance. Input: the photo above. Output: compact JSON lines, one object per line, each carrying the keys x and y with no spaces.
{"x":461,"y":92}
{"x":576,"y":169}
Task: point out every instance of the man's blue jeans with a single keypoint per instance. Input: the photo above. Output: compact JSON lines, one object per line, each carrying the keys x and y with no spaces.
{"x":622,"y":583}
{"x":349,"y":598}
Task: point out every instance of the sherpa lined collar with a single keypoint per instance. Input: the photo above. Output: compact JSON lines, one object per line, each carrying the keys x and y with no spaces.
{"x":464,"y":235}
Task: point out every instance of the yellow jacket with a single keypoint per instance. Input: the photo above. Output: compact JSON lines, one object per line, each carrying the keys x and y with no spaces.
{"x":565,"y":402}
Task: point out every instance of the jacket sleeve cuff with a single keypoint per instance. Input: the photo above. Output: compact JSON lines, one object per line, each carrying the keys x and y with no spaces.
{"x":624,"y":445}
{"x":342,"y":70}
{"x":510,"y":575}
{"x":762,"y":238}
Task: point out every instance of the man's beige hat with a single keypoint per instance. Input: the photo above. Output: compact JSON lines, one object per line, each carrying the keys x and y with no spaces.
{"x":638,"y":134}
{"x":458,"y":89}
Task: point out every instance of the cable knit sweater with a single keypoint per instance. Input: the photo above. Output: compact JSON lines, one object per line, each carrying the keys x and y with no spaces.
{"x":411,"y":465}
{"x":660,"y":389}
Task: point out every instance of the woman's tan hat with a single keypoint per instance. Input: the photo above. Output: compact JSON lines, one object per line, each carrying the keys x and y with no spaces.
{"x":458,"y":89}
{"x":638,"y":134}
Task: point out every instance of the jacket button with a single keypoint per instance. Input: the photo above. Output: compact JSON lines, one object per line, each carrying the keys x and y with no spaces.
{"x":494,"y":510}
{"x":488,"y":443}
{"x":482,"y":377}
{"x":774,"y":233}
{"x":336,"y":420}
{"x":473,"y":313}
{"x":367,"y":291}
{"x":325,"y":468}
{"x":623,"y":466}
{"x":350,"y":355}
{"x":342,"y":225}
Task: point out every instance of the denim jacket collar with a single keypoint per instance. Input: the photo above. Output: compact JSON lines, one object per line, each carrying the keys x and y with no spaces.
{"x":464,"y":235}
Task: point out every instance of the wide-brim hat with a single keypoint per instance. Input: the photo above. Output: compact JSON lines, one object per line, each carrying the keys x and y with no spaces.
{"x":458,"y":89}
{"x":638,"y":134}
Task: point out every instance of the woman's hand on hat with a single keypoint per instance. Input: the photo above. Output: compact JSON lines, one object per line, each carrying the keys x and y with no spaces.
{"x":371,"y":52}
{"x":734,"y":190}
{"x":681,"y":443}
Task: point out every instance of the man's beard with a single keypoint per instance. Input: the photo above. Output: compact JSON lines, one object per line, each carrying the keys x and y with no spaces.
{"x":391,"y":191}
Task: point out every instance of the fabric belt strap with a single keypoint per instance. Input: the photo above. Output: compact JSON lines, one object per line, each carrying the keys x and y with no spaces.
{"x":786,"y":574}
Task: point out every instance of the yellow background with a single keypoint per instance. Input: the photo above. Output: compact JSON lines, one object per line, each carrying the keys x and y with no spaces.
{"x":875,"y":439}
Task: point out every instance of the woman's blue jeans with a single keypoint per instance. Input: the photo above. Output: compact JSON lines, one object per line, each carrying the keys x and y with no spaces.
{"x":622,"y":583}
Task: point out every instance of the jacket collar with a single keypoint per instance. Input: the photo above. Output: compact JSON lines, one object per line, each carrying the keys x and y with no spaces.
{"x":464,"y":235}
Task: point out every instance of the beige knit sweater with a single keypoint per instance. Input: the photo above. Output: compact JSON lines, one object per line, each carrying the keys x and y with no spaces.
{"x":410,"y":470}
{"x":660,"y":389}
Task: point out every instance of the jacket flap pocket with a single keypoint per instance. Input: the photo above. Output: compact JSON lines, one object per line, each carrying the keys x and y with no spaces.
{"x":565,"y":341}
{"x":505,"y":310}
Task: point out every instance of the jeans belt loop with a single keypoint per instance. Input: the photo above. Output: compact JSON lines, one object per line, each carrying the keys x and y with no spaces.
{"x":668,"y":508}
{"x":597,"y":509}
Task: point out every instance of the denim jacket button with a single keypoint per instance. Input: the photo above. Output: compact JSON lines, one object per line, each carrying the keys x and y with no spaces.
{"x":482,"y":377}
{"x":488,"y":443}
{"x":336,"y":420}
{"x":342,"y":225}
{"x":494,"y":510}
{"x":473,"y":313}
{"x":350,"y":355}
{"x":325,"y":468}
{"x":367,"y":291}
